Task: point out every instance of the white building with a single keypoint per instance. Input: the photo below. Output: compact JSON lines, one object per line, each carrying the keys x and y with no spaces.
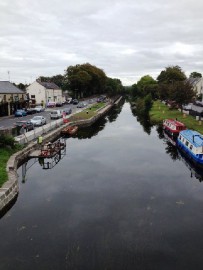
{"x":44,"y":92}
{"x":197,"y":84}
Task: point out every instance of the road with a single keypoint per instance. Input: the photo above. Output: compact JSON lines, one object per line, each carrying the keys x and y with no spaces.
{"x":6,"y":122}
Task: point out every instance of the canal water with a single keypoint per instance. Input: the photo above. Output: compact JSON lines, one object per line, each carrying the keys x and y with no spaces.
{"x":120,"y":198}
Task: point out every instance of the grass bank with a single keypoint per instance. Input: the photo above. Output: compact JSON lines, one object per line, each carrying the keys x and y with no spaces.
{"x":87,"y":113}
{"x":4,"y":157}
{"x":160,"y":111}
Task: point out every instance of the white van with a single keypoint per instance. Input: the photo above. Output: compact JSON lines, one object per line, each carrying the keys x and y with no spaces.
{"x":56,"y":114}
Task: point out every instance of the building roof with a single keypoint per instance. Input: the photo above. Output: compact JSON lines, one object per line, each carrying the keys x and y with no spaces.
{"x":48,"y":85}
{"x":8,"y":88}
{"x":193,"y":137}
{"x":194,"y":81}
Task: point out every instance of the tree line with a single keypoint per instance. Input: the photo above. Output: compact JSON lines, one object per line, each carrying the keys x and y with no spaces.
{"x":83,"y":80}
{"x":171,"y":84}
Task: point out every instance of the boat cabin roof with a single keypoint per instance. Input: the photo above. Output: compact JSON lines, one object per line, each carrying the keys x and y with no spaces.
{"x":194,"y":137}
{"x":175,"y":122}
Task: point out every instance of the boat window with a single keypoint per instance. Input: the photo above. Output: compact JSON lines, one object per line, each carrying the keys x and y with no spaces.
{"x":180,"y":137}
{"x":186,"y":143}
{"x":191,"y":146}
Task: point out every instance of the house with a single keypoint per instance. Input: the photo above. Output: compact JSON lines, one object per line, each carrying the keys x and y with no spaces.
{"x":11,"y":98}
{"x":44,"y":92}
{"x":197,"y":84}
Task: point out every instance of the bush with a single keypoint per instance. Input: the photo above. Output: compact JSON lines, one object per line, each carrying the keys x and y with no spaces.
{"x":7,"y":140}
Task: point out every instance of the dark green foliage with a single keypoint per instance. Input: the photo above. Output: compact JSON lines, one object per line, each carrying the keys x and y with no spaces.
{"x":171,"y":74}
{"x":181,"y":92}
{"x":173,"y":86}
{"x":143,"y":105}
{"x":113,"y":87}
{"x":7,"y":140}
{"x":85,"y":80}
{"x":145,"y":86}
{"x":195,"y":75}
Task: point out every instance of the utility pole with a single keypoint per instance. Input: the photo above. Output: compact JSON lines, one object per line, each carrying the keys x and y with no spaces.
{"x":8,"y":75}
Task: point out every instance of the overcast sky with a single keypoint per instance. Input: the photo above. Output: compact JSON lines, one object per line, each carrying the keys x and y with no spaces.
{"x":127,"y":39}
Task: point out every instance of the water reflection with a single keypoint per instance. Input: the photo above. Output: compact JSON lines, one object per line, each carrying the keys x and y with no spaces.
{"x":194,"y":170}
{"x":143,"y":120}
{"x":88,"y":133}
{"x":44,"y":162}
{"x":114,"y":202}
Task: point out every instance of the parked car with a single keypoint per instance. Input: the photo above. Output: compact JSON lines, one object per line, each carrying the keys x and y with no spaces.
{"x":21,"y":113}
{"x":59,"y":104}
{"x":90,"y":101}
{"x":38,"y":120}
{"x":56,"y":114}
{"x":81,"y":105}
{"x":51,"y":104}
{"x":27,"y":125}
{"x":39,"y":109}
{"x":101,"y":99}
{"x":75,"y":101}
{"x":30,"y":110}
{"x":187,"y":107}
{"x":67,"y":111}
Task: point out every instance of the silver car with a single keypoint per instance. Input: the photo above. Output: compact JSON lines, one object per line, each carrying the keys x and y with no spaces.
{"x":38,"y":120}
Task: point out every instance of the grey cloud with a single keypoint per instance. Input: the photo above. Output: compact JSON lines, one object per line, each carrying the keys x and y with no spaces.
{"x":126,"y":39}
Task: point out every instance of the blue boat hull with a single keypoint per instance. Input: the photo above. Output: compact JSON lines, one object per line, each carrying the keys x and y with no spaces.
{"x":196,"y":159}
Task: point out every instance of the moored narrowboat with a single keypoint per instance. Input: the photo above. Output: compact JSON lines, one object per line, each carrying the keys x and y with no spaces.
{"x":173,"y":126}
{"x":191,"y":142}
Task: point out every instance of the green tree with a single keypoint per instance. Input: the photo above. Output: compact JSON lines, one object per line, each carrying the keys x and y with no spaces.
{"x":171,"y":74}
{"x":195,"y":74}
{"x":85,"y":79}
{"x":182,"y":93}
{"x":147,"y":85}
{"x":113,"y":87}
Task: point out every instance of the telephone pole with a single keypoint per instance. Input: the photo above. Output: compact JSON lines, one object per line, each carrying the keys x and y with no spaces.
{"x":8,"y":75}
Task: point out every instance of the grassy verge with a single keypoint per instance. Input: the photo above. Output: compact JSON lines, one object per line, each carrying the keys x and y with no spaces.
{"x":4,"y":157}
{"x":160,"y":111}
{"x":88,"y":112}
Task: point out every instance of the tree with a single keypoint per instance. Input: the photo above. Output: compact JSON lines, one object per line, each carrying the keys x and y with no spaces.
{"x":171,"y":74}
{"x":195,"y":74}
{"x":147,"y":85}
{"x":181,"y":92}
{"x":85,"y":79}
{"x":113,"y":86}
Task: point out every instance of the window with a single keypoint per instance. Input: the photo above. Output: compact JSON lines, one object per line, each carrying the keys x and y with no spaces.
{"x":191,"y":146}
{"x":32,"y":96}
{"x":186,"y":143}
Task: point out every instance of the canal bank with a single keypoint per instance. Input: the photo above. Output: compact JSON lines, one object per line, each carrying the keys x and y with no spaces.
{"x":10,"y":189}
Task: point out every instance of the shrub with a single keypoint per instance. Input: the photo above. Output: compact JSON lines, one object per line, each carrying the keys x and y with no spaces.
{"x":7,"y":140}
